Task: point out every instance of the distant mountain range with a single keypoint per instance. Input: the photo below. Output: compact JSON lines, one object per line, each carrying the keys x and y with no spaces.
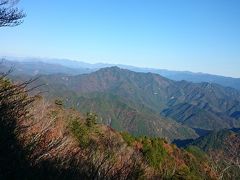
{"x":35,"y":66}
{"x":147,"y":103}
{"x":137,"y":102}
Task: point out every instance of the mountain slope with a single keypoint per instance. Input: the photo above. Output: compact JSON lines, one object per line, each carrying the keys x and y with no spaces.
{"x":223,"y":147}
{"x":60,"y":143}
{"x":205,"y":105}
{"x":113,"y":110}
{"x":42,"y":140}
{"x":140,"y":102}
{"x":112,"y":95}
{"x":219,"y":140}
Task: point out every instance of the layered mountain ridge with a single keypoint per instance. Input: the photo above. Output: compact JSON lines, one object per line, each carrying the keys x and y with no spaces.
{"x":147,"y":103}
{"x":34,"y":66}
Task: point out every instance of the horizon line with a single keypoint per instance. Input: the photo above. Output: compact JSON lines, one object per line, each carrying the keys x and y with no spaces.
{"x":22,"y":58}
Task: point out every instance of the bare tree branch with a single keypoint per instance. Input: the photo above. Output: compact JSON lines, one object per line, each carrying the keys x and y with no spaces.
{"x":10,"y":15}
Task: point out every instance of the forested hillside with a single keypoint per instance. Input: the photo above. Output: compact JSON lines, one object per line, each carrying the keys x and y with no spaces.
{"x":62,"y":119}
{"x":44,"y":140}
{"x":223,"y":148}
{"x":146,"y":103}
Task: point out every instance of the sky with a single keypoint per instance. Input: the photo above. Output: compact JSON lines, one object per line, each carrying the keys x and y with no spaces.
{"x":193,"y":35}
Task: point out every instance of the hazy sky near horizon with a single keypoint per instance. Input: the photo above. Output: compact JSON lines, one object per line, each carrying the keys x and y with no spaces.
{"x":194,"y":35}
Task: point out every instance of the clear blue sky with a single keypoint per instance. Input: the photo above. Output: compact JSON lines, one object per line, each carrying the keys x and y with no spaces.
{"x":195,"y":35}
